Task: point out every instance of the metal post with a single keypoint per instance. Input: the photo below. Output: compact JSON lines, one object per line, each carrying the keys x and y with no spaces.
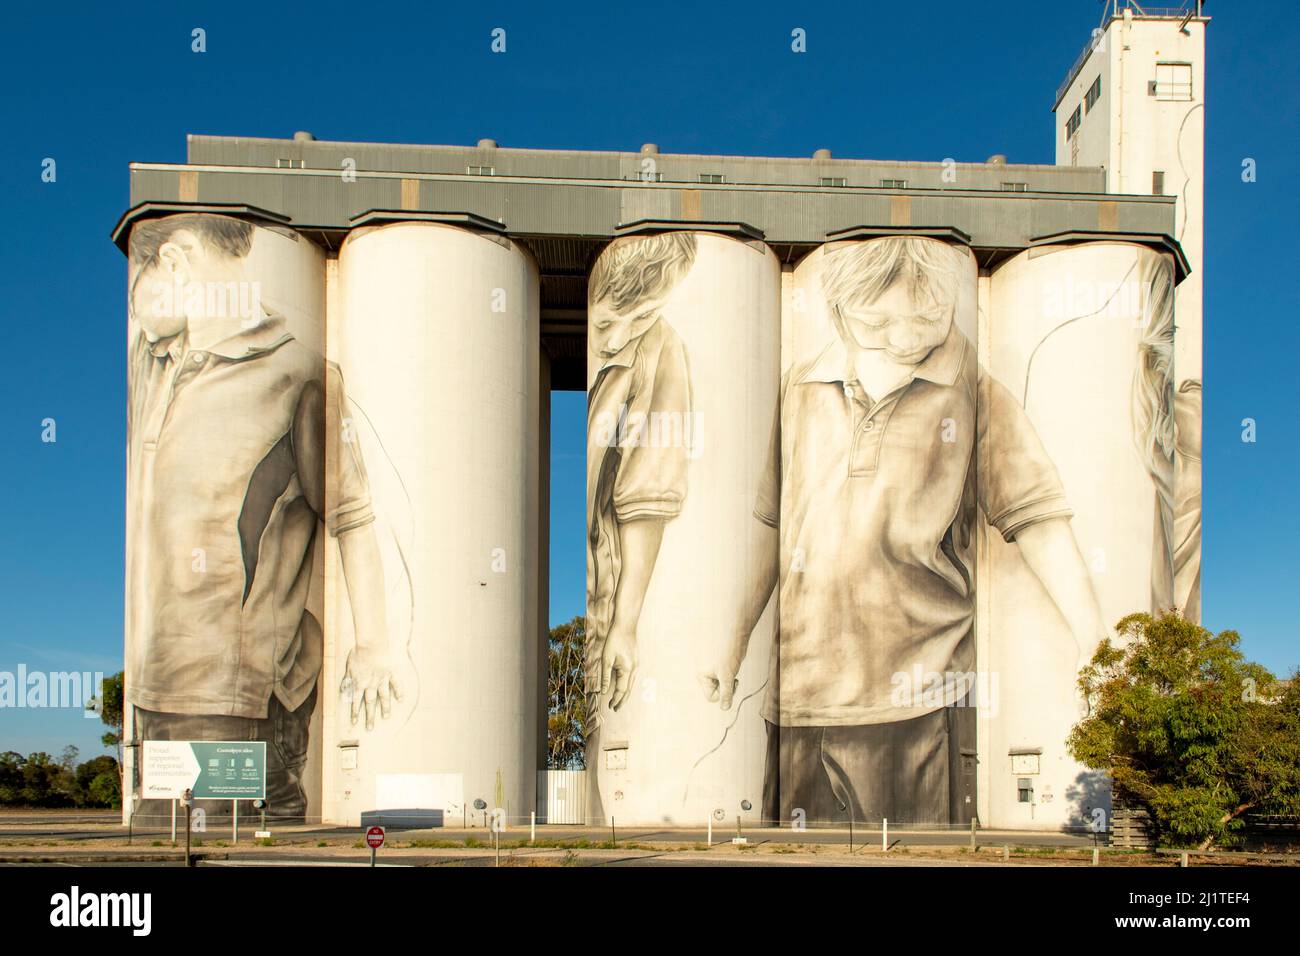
{"x":1096,"y":856}
{"x":173,"y":821}
{"x":189,"y":860}
{"x":613,"y":834}
{"x":372,"y":856}
{"x":710,"y":829}
{"x":884,"y":835}
{"x":234,"y":821}
{"x":1006,"y":851}
{"x":1183,"y":861}
{"x":532,"y":827}
{"x":496,"y":836}
{"x":972,"y":833}
{"x":738,"y":833}
{"x":850,"y":827}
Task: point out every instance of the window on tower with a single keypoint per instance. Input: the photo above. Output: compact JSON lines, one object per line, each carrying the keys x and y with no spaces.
{"x":1072,"y":124}
{"x":1093,"y":94}
{"x":1173,"y":82}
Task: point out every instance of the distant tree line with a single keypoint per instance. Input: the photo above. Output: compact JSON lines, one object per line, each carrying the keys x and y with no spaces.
{"x":39,"y":780}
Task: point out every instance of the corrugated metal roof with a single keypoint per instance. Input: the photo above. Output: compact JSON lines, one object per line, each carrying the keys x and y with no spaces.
{"x":564,"y":205}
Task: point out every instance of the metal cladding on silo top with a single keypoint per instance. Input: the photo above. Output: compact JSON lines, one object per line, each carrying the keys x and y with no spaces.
{"x":226,"y":439}
{"x":437,"y":341}
{"x":1082,"y":335}
{"x":682,"y":378}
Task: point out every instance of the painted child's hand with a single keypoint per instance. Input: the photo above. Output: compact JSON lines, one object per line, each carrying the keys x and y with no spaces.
{"x":720,"y":681}
{"x":369,"y":683}
{"x":618,"y":665}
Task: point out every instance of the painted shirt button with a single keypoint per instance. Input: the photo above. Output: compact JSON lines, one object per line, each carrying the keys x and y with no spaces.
{"x":868,"y":425}
{"x":198,"y":357}
{"x":848,"y":391}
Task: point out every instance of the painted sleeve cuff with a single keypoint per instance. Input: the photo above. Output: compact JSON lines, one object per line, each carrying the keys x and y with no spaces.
{"x":660,"y":507}
{"x":1014,"y":520}
{"x":349,"y":516}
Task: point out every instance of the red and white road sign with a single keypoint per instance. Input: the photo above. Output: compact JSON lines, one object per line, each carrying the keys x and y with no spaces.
{"x":375,"y":837}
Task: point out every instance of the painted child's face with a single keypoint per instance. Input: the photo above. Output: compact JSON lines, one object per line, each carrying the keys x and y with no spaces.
{"x":905,"y":330}
{"x":175,"y":285}
{"x":159,"y":313}
{"x":611,"y":330}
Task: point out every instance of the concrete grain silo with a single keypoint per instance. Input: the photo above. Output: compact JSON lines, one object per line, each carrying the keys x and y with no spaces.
{"x":225,"y":491}
{"x":682,"y":382}
{"x":878,"y":523}
{"x":1083,"y":337}
{"x":435,"y":331}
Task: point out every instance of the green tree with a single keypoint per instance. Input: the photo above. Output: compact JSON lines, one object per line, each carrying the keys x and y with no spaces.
{"x":11,"y":778}
{"x":1189,"y":729}
{"x":92,"y":790}
{"x":103,"y":791}
{"x":110,"y":712}
{"x":43,"y":782}
{"x":566,"y":698}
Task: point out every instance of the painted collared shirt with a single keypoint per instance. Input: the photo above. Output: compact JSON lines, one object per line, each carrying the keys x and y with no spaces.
{"x":876,"y":500}
{"x":638,"y":405}
{"x":226,"y":449}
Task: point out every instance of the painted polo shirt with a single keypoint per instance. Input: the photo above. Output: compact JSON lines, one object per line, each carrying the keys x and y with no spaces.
{"x":876,"y":500}
{"x":227,"y":463}
{"x":637,"y":404}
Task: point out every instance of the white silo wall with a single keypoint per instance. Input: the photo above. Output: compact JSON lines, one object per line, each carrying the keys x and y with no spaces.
{"x":1072,"y":329}
{"x":437,"y":341}
{"x":224,"y":576}
{"x":711,"y":361}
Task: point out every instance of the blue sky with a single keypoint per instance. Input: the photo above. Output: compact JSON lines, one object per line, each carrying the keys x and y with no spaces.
{"x":105,"y":86}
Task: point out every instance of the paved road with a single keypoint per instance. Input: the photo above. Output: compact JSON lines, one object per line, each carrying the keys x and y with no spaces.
{"x":92,"y":827}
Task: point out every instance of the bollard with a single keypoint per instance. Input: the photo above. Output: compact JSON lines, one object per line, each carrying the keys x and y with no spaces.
{"x":1096,"y":856}
{"x":532,"y":827}
{"x":1006,"y":852}
{"x":884,"y":835}
{"x":972,"y":833}
{"x":1183,"y":860}
{"x":710,"y":829}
